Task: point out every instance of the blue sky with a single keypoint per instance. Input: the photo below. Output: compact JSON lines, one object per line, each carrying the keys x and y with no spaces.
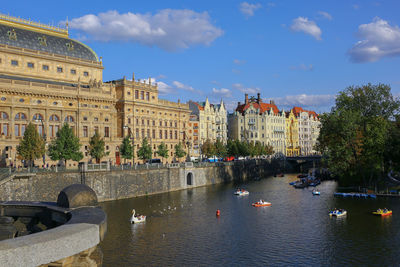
{"x":295,"y":52}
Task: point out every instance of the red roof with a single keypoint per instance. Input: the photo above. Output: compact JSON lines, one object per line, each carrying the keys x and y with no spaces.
{"x":298,"y":110}
{"x":261,"y":106}
{"x":199,"y":106}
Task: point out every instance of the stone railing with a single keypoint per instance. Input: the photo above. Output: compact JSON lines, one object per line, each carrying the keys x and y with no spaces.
{"x":65,"y":233}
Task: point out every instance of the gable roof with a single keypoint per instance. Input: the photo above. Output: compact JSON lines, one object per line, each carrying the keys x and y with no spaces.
{"x":263,"y":107}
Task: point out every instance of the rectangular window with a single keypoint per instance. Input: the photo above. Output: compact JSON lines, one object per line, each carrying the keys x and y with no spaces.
{"x":148,"y":122}
{"x":56,"y":128}
{"x":14,"y":62}
{"x":129,"y":120}
{"x":170,"y":134}
{"x":23,"y":129}
{"x":147,"y":96}
{"x":4,"y":130}
{"x":31,"y":65}
{"x":143,"y":133}
{"x":106,"y":132}
{"x":160,"y":123}
{"x":16,"y":130}
{"x":136,"y":94}
{"x":141,"y":95}
{"x":40,"y":130}
{"x":73,"y":72}
{"x":176,"y":134}
{"x":137,"y":133}
{"x":160,"y":134}
{"x":51,"y":133}
{"x":85,"y":131}
{"x":148,"y":133}
{"x":85,"y":73}
{"x":154,"y":134}
{"x":59,"y":69}
{"x":166,"y":134}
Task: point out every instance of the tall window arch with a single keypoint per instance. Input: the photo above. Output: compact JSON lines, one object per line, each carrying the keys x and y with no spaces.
{"x":37,"y":116}
{"x":4,"y":123}
{"x":54,"y":118}
{"x":69,"y":119}
{"x":20,"y":116}
{"x":3,"y":115}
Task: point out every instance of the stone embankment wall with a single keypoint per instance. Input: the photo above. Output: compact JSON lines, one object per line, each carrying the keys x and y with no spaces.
{"x":112,"y":185}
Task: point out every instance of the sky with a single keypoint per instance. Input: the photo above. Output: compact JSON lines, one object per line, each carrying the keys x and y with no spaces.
{"x":297,"y":53}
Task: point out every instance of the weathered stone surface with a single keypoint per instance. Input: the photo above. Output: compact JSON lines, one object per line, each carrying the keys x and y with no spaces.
{"x":77,"y":195}
{"x":112,"y":185}
{"x":6,"y":220}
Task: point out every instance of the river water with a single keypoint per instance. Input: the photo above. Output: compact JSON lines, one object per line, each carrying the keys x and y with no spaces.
{"x":182,"y":229}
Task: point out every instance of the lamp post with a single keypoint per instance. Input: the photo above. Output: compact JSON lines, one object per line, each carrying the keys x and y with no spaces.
{"x":44,"y":139}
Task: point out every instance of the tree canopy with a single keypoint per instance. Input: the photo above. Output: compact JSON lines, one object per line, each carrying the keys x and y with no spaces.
{"x":96,"y":147}
{"x":126,"y":148}
{"x":355,"y":135}
{"x":145,"y":152}
{"x":65,"y":146}
{"x":163,"y":150}
{"x":179,"y":152}
{"x":32,"y":145}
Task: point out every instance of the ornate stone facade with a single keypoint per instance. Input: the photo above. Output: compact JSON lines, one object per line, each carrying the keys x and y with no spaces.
{"x":47,"y":79}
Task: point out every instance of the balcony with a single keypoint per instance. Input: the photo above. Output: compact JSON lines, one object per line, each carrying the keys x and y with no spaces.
{"x":251,"y":122}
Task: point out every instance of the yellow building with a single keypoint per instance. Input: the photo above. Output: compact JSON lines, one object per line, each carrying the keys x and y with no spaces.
{"x":47,"y":78}
{"x":292,"y":135}
{"x":142,"y":114}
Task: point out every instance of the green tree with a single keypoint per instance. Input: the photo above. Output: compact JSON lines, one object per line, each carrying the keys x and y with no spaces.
{"x":232,"y":149}
{"x":267,"y":150}
{"x":163,"y":151}
{"x":31,"y":146}
{"x":96,"y":147}
{"x":243,"y":148}
{"x":392,"y":152}
{"x":355,"y":134}
{"x":65,"y":146}
{"x":179,"y":152}
{"x":208,"y":149}
{"x":220,"y":149}
{"x":126,"y":148}
{"x":145,"y":152}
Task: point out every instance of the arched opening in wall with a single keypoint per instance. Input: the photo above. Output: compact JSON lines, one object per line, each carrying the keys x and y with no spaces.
{"x":189,"y":179}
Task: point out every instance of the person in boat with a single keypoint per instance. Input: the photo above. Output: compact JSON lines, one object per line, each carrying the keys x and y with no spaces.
{"x":385,"y":210}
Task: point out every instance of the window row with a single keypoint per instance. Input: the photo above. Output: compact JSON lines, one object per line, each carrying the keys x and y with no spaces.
{"x":36,"y":117}
{"x":19,"y":130}
{"x":163,"y":134}
{"x":31,"y":65}
{"x":85,"y":130}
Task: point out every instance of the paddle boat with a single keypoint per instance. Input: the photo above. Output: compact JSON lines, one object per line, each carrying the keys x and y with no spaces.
{"x":338,"y":213}
{"x":261,"y":203}
{"x":241,"y":192}
{"x":316,"y":193}
{"x":137,"y":218}
{"x":382,"y":212}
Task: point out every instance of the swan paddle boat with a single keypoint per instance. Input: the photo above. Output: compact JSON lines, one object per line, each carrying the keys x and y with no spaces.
{"x":382,"y":212}
{"x":261,"y":203}
{"x":338,"y":213}
{"x":316,"y":193}
{"x":137,"y":218}
{"x":241,"y":192}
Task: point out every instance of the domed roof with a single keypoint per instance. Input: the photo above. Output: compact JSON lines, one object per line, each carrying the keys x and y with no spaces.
{"x":36,"y":40}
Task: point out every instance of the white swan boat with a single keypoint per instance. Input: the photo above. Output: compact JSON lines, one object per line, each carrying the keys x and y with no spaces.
{"x":137,"y":218}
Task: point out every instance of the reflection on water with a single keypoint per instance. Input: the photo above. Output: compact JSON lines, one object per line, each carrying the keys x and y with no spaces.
{"x":182,"y":229}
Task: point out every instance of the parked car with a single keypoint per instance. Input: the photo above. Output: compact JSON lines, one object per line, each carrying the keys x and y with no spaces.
{"x":232,"y":158}
{"x":151,"y":161}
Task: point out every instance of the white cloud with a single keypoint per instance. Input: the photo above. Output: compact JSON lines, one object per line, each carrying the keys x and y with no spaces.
{"x":246,"y":90}
{"x":325,"y":15}
{"x":302,"y":24}
{"x":302,"y":67}
{"x":169,"y":29}
{"x":305,"y":101}
{"x":249,"y":9}
{"x":378,"y":40}
{"x":182,"y":86}
{"x":236,"y":71}
{"x":239,"y":62}
{"x":224,"y":92}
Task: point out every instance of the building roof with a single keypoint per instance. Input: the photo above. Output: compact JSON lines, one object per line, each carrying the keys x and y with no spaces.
{"x":200,"y":105}
{"x":15,"y":34}
{"x":298,"y":110}
{"x":263,"y":107}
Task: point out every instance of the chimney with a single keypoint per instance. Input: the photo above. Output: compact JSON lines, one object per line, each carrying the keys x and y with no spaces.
{"x":258,"y":98}
{"x":246,"y":99}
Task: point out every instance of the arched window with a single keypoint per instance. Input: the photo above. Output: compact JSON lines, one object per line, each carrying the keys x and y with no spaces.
{"x":69,"y":119}
{"x":54,"y":118}
{"x":37,"y":116}
{"x":4,"y":116}
{"x":20,"y":116}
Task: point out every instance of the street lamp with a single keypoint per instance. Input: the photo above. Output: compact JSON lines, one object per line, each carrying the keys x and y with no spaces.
{"x":44,"y":138}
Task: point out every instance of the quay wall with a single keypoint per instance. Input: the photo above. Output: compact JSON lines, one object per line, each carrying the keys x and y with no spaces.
{"x":119,"y":184}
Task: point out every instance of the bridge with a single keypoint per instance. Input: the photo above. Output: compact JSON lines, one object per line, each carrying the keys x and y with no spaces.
{"x":302,"y":163}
